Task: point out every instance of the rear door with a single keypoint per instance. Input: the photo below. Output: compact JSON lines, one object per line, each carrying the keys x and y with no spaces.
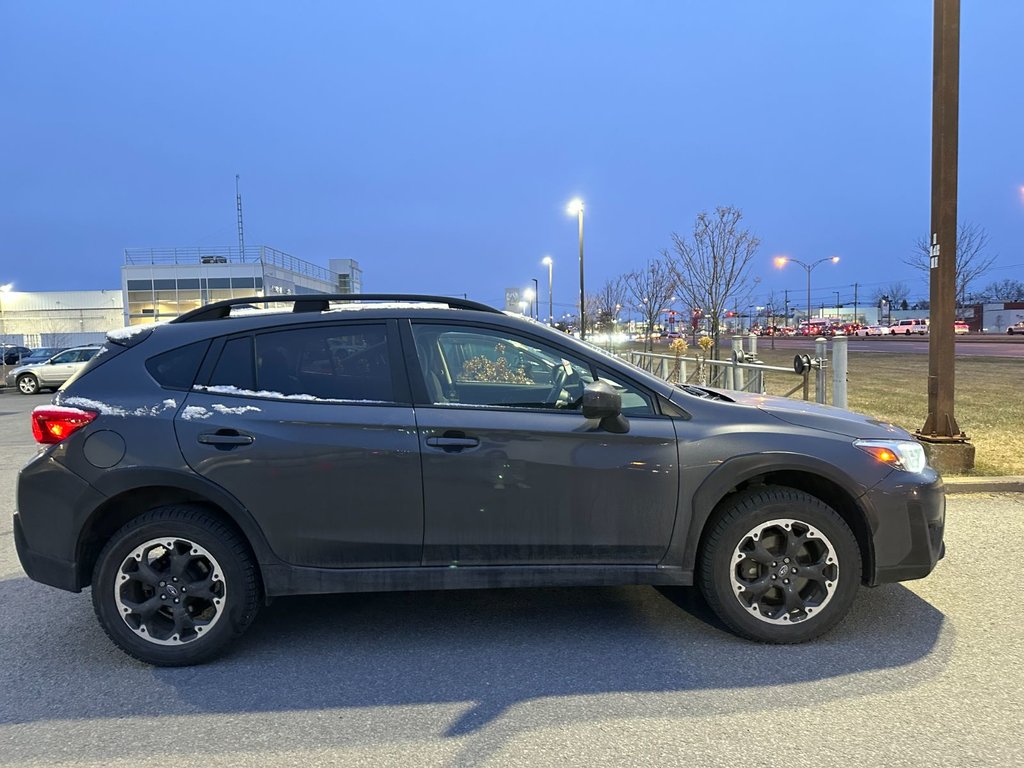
{"x":311,"y":428}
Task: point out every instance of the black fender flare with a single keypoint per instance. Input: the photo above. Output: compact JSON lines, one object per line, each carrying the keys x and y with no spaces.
{"x":739,"y":469}
{"x":115,"y":482}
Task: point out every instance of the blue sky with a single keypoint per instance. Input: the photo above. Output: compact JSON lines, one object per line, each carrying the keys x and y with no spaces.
{"x":438,"y":143}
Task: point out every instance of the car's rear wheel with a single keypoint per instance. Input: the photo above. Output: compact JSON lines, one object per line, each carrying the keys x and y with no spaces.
{"x":175,"y":586}
{"x":28,"y":384}
{"x":779,"y":565}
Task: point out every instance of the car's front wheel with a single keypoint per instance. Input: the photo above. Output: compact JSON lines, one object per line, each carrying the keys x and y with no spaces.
{"x":28,"y":384}
{"x":175,"y":586}
{"x":779,"y":565}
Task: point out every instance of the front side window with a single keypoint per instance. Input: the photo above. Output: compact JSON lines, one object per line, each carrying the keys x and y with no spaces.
{"x":70,"y":356}
{"x":634,"y":402}
{"x":481,"y":367}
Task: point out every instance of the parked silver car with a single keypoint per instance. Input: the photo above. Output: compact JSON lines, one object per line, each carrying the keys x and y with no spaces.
{"x":51,"y":373}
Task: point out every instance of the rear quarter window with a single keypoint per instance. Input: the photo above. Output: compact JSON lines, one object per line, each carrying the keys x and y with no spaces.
{"x":105,"y":354}
{"x":177,"y":368}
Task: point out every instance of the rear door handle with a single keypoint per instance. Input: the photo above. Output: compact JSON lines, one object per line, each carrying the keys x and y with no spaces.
{"x":452,"y":443}
{"x":226,"y":438}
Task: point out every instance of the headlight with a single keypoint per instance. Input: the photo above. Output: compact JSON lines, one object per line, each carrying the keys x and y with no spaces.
{"x":907,"y":455}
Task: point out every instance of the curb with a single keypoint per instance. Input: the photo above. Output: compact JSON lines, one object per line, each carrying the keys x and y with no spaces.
{"x":1008,"y":484}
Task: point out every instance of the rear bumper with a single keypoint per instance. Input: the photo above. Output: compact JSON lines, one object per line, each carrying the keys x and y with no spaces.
{"x":907,"y":518}
{"x":42,"y":568}
{"x":52,"y":505}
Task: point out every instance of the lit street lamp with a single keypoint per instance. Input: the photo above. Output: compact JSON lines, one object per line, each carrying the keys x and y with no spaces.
{"x":781,"y":261}
{"x":547,"y":262}
{"x":528,"y":296}
{"x":5,"y":288}
{"x":576,"y":208}
{"x":522,"y":306}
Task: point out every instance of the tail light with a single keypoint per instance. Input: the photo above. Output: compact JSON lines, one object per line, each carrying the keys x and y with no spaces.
{"x":53,"y":423}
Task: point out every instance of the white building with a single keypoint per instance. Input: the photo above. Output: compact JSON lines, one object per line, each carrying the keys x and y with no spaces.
{"x":58,"y":318}
{"x":162,"y":283}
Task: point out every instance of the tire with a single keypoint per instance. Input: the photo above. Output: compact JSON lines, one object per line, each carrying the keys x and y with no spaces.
{"x":745,"y":576}
{"x":28,"y":384}
{"x":182,"y":547}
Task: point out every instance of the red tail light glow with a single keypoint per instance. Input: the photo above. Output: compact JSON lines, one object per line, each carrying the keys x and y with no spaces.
{"x":53,"y":423}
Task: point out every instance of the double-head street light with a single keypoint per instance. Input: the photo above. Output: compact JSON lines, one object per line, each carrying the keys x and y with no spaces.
{"x":547,"y":262}
{"x":781,"y":261}
{"x":576,"y":208}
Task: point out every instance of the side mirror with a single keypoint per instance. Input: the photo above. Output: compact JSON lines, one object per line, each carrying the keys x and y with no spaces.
{"x":601,"y":401}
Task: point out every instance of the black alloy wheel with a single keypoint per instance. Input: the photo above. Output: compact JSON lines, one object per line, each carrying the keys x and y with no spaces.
{"x":175,"y":586}
{"x":779,"y":565}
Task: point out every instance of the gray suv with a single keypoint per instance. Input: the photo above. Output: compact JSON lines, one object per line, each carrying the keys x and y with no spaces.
{"x":32,"y":377}
{"x":196,"y":469}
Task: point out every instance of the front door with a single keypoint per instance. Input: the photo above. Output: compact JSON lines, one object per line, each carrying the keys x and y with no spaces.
{"x":513,"y":474}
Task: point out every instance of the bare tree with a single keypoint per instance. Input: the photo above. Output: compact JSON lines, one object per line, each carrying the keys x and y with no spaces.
{"x":649,"y":291}
{"x":895,"y":293}
{"x":1003,"y":290}
{"x":712,"y":267}
{"x":604,"y":305}
{"x":971,"y":260}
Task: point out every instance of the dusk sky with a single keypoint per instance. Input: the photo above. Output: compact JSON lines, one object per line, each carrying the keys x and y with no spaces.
{"x":438,"y":143}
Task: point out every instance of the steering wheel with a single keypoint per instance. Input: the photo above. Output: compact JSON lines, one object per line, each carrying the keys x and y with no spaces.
{"x":564,"y":378}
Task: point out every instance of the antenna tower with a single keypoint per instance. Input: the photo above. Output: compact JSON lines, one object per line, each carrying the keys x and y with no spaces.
{"x":238,"y":205}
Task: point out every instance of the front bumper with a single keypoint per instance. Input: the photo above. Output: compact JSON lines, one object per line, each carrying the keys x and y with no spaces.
{"x":907,"y":517}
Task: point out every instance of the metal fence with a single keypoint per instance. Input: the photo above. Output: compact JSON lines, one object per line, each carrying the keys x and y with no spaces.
{"x":743,"y":372}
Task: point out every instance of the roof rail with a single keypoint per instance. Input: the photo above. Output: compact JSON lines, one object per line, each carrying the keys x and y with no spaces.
{"x":317,"y":302}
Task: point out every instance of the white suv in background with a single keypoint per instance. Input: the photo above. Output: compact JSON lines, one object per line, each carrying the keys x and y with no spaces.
{"x":907,"y":327}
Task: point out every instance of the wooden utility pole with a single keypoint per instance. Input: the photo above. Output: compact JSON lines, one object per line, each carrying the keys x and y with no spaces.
{"x":941,"y":426}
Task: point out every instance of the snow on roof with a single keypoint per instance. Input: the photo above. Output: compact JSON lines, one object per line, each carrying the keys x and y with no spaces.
{"x":123,"y":334}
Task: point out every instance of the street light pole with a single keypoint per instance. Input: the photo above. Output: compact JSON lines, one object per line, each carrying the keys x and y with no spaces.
{"x":551,"y":302}
{"x":576,"y":207}
{"x":4,"y":290}
{"x":781,"y":261}
{"x":536,"y":299}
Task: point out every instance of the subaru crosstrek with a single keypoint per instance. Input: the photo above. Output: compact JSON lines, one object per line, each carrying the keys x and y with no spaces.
{"x":193,"y":470}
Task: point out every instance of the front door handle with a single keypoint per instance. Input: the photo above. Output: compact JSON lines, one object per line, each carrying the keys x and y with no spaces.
{"x":451,"y":443}
{"x":226,"y":438}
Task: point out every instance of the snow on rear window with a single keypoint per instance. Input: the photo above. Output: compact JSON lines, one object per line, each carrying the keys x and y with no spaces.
{"x":235,"y":410}
{"x":223,"y":389}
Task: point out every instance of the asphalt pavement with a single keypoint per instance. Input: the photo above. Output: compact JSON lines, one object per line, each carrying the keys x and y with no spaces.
{"x":923,"y":673}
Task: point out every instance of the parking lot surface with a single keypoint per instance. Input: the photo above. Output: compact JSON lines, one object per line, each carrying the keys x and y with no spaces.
{"x":921,"y":673}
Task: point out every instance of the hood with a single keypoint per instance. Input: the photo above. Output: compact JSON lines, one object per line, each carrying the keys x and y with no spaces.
{"x":825,"y":417}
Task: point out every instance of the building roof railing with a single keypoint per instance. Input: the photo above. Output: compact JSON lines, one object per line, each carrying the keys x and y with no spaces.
{"x":254,"y":254}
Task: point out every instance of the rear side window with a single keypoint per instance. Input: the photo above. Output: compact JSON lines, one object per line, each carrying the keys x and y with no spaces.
{"x":235,"y":366}
{"x":71,"y":356}
{"x":177,"y":368}
{"x":338,"y":362}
